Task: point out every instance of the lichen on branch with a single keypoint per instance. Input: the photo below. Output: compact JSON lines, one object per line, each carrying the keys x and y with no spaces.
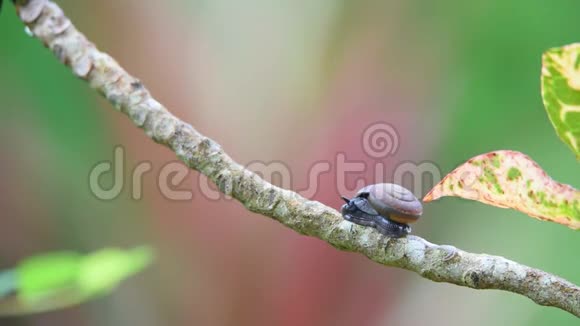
{"x":48,"y":23}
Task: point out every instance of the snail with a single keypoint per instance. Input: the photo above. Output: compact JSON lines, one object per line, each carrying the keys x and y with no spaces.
{"x":387,"y":207}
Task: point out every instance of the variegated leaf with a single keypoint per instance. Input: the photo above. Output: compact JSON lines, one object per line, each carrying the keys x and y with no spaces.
{"x":511,"y":179}
{"x":561,"y":92}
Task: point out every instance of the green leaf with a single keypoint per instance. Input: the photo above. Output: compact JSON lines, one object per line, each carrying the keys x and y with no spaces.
{"x":41,"y":276}
{"x":561,"y":92}
{"x":511,"y":179}
{"x":57,"y":280}
{"x":103,"y":270}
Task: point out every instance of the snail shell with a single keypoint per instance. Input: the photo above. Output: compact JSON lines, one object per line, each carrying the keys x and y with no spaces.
{"x":392,"y":201}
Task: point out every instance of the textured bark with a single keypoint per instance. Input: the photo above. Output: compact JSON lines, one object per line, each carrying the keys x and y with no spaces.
{"x":48,"y":23}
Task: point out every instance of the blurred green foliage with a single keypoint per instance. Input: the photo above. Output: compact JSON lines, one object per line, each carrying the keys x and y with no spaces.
{"x":491,"y":99}
{"x":60,"y":279}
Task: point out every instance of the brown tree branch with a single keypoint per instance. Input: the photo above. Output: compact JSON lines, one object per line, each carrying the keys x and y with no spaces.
{"x":48,"y":23}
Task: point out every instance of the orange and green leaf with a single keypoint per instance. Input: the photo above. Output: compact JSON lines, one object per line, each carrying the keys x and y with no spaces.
{"x":511,"y":179}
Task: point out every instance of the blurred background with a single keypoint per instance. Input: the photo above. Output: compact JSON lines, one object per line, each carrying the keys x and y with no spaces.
{"x":297,"y":82}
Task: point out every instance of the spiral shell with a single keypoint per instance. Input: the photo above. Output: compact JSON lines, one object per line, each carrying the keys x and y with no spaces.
{"x":393,"y":201}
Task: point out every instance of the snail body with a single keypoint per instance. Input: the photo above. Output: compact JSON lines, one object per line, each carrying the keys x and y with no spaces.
{"x":387,"y":207}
